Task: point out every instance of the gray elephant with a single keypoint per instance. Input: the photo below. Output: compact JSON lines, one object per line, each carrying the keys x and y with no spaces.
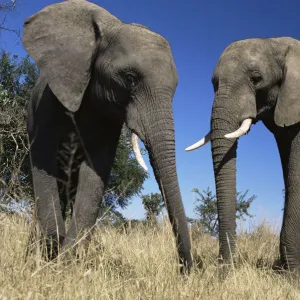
{"x":98,"y":73}
{"x":257,"y":79}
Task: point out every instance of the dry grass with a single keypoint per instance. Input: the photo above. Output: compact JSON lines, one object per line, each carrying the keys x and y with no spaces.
{"x":139,"y":265}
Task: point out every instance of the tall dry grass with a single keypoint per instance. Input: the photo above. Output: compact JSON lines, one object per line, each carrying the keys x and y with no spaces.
{"x":141,"y":264}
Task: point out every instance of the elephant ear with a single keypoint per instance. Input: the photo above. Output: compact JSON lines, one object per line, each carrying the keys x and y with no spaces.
{"x":287,"y":111}
{"x":61,"y":38}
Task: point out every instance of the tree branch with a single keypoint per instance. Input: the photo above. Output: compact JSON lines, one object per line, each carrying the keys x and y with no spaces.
{"x":7,"y":7}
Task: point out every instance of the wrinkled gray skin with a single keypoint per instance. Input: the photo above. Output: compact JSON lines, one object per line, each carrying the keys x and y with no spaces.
{"x":258,"y":79}
{"x":98,"y":72}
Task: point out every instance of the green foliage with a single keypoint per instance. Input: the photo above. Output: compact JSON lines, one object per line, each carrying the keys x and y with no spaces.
{"x":125,"y":181}
{"x":153,"y":204}
{"x":127,"y":176}
{"x":206,"y":209}
{"x":17,"y":78}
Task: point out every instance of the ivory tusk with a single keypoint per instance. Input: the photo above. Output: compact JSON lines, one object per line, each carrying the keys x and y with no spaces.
{"x":199,"y":144}
{"x":137,"y":151}
{"x":244,"y":128}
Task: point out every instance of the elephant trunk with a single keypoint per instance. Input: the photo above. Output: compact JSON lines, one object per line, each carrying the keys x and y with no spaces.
{"x":160,"y":144}
{"x":153,"y":123}
{"x":224,"y":162}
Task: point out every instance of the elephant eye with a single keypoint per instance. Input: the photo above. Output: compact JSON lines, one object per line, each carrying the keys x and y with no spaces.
{"x":215,"y":83}
{"x":216,"y":86}
{"x":256,"y":78}
{"x":131,"y":81}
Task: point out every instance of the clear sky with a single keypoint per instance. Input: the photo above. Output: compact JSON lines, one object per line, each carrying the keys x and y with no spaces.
{"x":198,"y":32}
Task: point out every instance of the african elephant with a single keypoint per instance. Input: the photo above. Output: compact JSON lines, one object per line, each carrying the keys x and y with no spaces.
{"x":257,"y":79}
{"x":98,"y":73}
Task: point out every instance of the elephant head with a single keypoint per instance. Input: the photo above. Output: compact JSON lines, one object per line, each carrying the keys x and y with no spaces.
{"x":123,"y":69}
{"x":254,"y":79}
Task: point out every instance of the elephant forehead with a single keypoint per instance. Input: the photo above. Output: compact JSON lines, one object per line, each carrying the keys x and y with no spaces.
{"x":242,"y":58}
{"x":156,"y":69}
{"x":146,"y":50}
{"x":160,"y":68}
{"x":226,"y":63}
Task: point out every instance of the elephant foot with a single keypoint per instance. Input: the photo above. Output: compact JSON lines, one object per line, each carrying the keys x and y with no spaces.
{"x":225,"y":266}
{"x":282,"y":265}
{"x":44,"y":247}
{"x":223,"y":271}
{"x":77,"y":247}
{"x":185,"y":265}
{"x":185,"y":269}
{"x":52,"y":248}
{"x":82,"y":248}
{"x":49,"y":247}
{"x":290,"y":274}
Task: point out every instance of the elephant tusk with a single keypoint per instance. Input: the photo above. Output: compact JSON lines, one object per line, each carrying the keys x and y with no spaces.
{"x":244,"y":128}
{"x":199,"y":144}
{"x":137,"y":151}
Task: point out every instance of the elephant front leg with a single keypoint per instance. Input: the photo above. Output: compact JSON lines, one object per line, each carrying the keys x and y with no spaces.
{"x":290,"y":232}
{"x":48,"y":209}
{"x":86,"y":208}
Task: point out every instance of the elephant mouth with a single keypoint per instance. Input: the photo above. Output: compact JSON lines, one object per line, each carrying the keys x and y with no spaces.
{"x":264,"y":113}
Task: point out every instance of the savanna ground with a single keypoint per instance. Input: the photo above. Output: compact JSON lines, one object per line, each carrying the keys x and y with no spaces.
{"x":140,"y":264}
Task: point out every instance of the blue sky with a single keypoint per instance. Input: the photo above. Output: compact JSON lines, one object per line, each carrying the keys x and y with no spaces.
{"x":198,"y":32}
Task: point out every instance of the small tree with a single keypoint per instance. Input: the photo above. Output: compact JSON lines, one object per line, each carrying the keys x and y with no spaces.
{"x":153,"y":204}
{"x":206,"y":209}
